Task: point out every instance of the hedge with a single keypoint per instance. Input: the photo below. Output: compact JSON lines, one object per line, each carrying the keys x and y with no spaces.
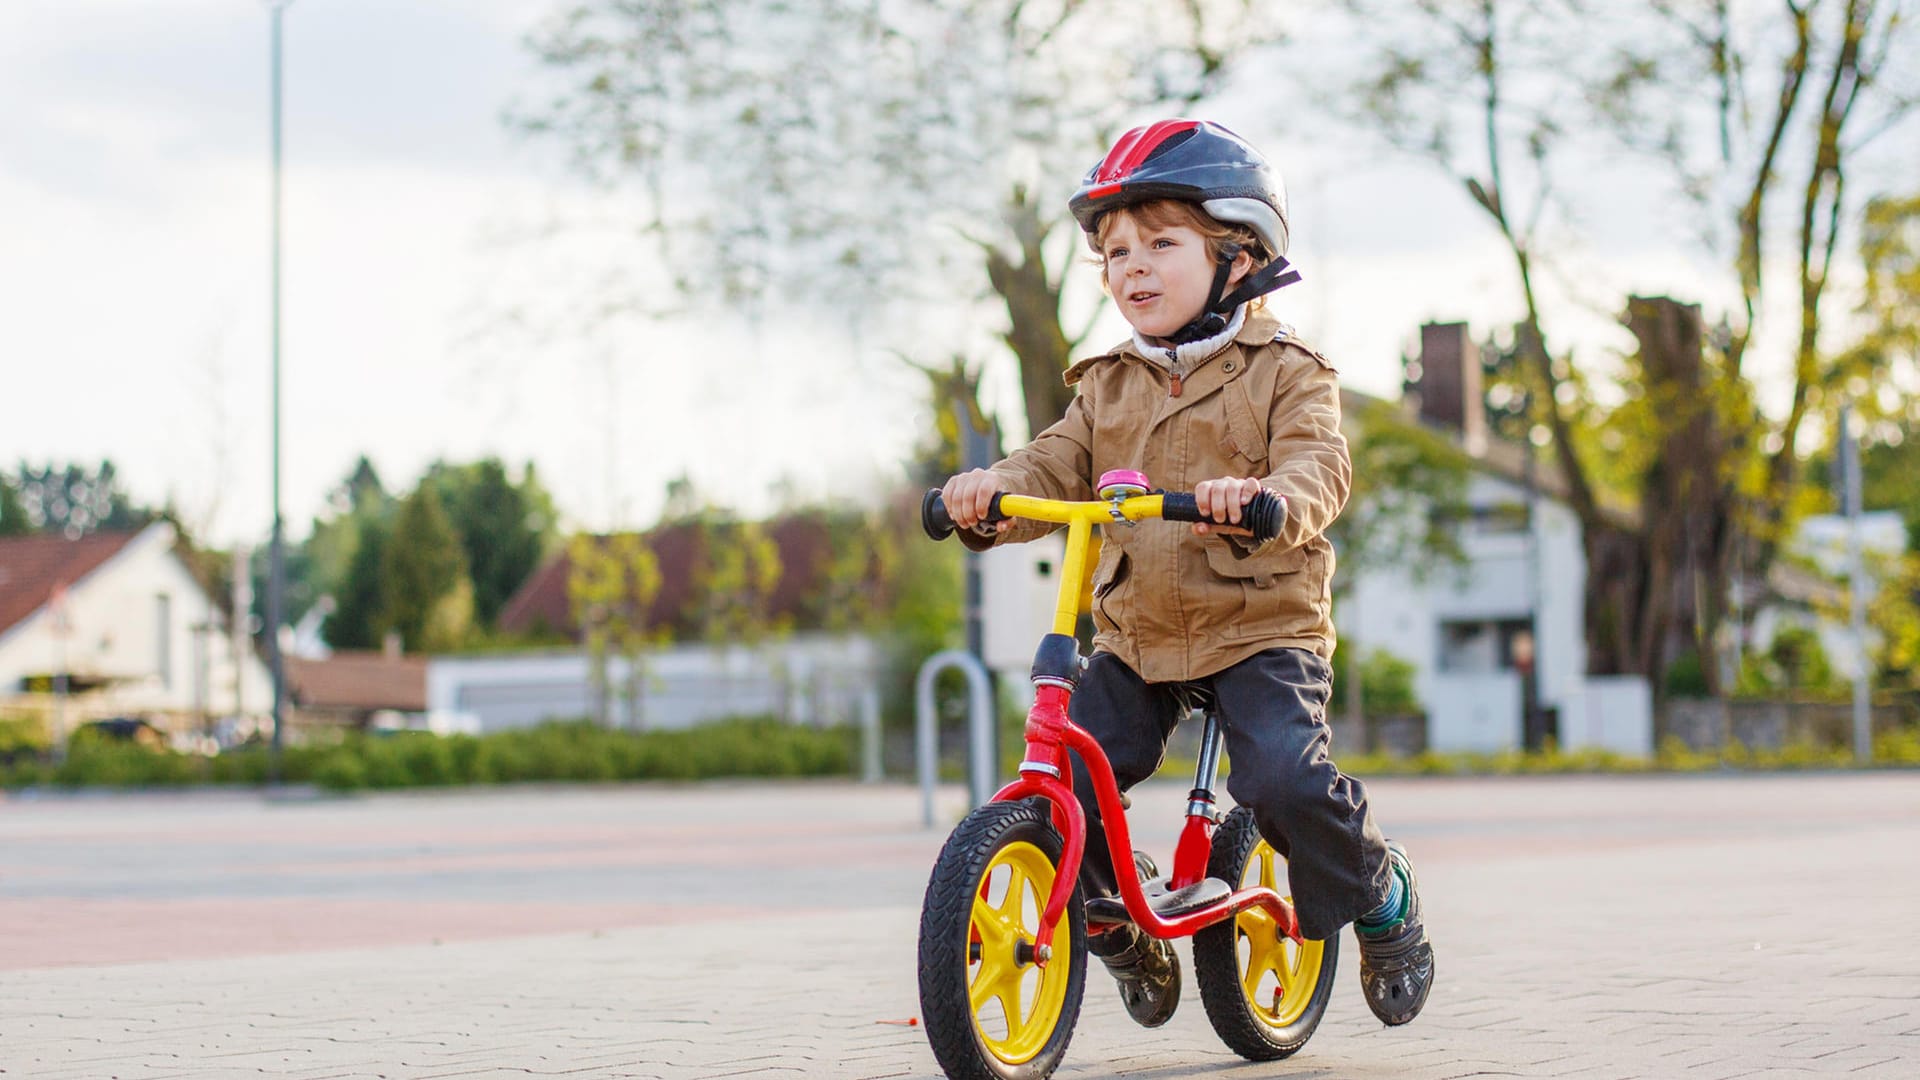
{"x":571,"y":751}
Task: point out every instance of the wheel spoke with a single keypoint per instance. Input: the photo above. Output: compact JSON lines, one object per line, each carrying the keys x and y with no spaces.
{"x":1261,"y":946}
{"x":991,"y":981}
{"x":1009,"y":997}
{"x":991,"y":925}
{"x":1016,"y":892}
{"x":1283,"y":967}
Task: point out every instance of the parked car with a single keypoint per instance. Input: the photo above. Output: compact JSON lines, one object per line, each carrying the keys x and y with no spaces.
{"x":129,"y":729}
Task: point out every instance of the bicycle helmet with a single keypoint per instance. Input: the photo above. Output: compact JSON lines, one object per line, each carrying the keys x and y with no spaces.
{"x":1200,"y":162}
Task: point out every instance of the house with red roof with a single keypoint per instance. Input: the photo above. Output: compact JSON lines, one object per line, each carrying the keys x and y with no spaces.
{"x":117,"y":624}
{"x":809,"y":673}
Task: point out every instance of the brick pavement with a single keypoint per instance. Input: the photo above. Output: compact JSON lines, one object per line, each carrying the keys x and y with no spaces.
{"x":1713,"y":927}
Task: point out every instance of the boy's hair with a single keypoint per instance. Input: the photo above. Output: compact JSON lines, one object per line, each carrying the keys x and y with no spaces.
{"x":1164,"y":213}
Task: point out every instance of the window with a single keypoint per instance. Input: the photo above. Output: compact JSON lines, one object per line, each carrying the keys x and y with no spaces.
{"x":1486,"y":646}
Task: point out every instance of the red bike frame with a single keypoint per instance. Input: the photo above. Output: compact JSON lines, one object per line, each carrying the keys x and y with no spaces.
{"x":1044,"y":772}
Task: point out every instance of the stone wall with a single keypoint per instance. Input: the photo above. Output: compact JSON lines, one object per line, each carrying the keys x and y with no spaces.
{"x":1705,"y":725}
{"x":1394,"y":736}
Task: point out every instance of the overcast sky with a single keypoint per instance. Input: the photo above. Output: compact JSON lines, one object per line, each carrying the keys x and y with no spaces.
{"x":134,"y":266}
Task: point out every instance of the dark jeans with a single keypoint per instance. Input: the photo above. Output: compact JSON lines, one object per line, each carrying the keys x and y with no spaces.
{"x":1272,"y":707}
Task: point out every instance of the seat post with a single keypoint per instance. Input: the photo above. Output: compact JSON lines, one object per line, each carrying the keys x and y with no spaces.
{"x":1206,"y":773}
{"x":1194,"y":851}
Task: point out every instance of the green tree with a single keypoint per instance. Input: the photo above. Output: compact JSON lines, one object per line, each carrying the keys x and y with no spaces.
{"x":611,"y":585}
{"x":736,"y":569}
{"x":74,"y":500}
{"x":13,"y":514}
{"x":329,"y":562}
{"x":359,"y":614}
{"x":427,"y":597}
{"x":504,"y":527}
{"x":359,"y":498}
{"x":1895,"y":614}
{"x":1880,"y":375}
{"x":863,"y":560}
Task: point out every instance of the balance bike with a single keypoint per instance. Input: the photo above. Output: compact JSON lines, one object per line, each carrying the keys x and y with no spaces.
{"x":1003,"y":929}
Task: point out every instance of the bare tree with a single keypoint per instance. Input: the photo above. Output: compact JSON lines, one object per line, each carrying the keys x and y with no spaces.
{"x":864,"y":157}
{"x":1718,"y":477}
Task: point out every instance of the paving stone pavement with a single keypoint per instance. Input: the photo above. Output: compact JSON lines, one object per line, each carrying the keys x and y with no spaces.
{"x":1701,"y":927}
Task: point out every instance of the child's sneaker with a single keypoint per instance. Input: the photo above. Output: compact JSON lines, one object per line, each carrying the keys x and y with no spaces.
{"x":1145,"y":966}
{"x":1146,"y":969}
{"x":1396,"y":960}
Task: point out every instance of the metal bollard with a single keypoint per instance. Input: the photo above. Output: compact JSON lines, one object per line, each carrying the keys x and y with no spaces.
{"x":980,"y":719}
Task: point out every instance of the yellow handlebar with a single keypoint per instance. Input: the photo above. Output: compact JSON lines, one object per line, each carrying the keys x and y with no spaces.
{"x":1263,"y":515}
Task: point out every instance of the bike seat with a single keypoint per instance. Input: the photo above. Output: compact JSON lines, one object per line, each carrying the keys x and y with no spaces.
{"x":1166,"y":903}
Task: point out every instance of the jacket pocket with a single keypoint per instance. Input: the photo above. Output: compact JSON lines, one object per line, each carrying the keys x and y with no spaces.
{"x":1244,"y":442}
{"x":1269,"y":583}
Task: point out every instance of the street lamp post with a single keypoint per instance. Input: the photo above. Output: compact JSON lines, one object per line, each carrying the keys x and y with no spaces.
{"x":276,"y":559}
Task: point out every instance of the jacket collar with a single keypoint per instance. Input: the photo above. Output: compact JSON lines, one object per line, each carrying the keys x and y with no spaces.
{"x":1257,"y":328}
{"x":1183,"y":358}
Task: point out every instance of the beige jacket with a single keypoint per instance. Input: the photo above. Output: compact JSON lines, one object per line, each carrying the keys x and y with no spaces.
{"x":1171,"y":604}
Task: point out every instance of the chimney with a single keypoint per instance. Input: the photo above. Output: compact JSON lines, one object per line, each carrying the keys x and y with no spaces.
{"x":1449,"y":383}
{"x":390,"y":645}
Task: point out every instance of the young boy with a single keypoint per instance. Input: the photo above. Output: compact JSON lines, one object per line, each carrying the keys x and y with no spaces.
{"x":1214,"y":395}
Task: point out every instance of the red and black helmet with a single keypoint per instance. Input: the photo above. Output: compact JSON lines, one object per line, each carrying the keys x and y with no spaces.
{"x":1194,"y":160}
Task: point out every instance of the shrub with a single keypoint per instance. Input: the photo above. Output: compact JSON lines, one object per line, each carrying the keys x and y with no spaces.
{"x":1386,"y":682}
{"x":340,"y":771}
{"x":22,"y":736}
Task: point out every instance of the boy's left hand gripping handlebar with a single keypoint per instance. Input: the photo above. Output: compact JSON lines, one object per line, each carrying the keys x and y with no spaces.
{"x":939,"y":524}
{"x":1264,"y":514}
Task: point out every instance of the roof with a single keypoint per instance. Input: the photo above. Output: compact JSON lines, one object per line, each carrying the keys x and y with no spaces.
{"x":359,"y":680}
{"x":32,"y":567}
{"x":804,"y":543}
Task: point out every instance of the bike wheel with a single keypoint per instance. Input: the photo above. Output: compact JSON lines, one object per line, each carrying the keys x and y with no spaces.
{"x":990,"y":1013}
{"x":1264,"y":994}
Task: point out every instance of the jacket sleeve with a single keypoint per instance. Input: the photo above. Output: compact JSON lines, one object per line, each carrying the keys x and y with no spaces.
{"x":1311,"y":467}
{"x":1055,"y":465}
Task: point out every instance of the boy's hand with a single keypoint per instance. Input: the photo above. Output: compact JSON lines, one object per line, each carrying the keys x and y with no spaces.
{"x":1221,"y":500}
{"x":970,"y":495}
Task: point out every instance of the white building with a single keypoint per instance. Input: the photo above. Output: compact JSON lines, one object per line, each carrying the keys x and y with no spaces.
{"x":813,"y":679}
{"x":1513,"y":619}
{"x":1516,"y":608}
{"x":116,"y":624}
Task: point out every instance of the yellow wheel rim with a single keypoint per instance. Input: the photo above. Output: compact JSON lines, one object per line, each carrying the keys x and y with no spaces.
{"x":1015,"y":1005}
{"x":1276,"y":974}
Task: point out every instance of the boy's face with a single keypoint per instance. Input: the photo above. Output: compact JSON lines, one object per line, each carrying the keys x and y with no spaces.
{"x":1158,"y":274}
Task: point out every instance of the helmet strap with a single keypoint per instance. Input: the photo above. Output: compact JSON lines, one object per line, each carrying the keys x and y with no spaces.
{"x":1212,"y":319}
{"x":1272,"y":277}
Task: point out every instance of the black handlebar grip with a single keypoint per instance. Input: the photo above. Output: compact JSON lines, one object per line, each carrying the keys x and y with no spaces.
{"x":1264,"y":514}
{"x":934,"y":517}
{"x":939,"y":524}
{"x":1180,"y":506}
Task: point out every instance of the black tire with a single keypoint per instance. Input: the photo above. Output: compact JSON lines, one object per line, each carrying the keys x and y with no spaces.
{"x":1255,"y":1032}
{"x":966,"y":1042}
